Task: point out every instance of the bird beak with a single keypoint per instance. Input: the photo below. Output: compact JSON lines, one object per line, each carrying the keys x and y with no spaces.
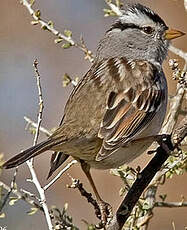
{"x":171,"y":34}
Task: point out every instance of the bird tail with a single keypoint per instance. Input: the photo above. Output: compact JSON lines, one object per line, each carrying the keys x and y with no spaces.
{"x":29,"y":153}
{"x":57,"y":159}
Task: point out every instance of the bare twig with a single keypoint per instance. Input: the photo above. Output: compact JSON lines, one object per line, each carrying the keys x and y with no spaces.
{"x":44,"y":24}
{"x":21,"y":196}
{"x":60,"y":36}
{"x":88,"y":53}
{"x":41,"y":106}
{"x":170,"y":204}
{"x":11,"y":188}
{"x":27,"y":193}
{"x":173,"y":225}
{"x":178,"y":52}
{"x":172,"y":115}
{"x":35,"y":125}
{"x":59,"y":174}
{"x":76,"y":184}
{"x":30,"y":162}
{"x":114,"y":8}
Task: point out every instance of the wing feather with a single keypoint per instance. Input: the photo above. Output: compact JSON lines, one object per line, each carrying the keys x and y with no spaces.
{"x":131,"y":107}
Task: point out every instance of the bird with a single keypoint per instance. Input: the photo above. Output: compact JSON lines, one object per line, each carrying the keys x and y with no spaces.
{"x":118,"y":107}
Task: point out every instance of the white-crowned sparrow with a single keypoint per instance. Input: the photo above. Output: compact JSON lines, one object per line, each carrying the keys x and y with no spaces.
{"x":119,"y":103}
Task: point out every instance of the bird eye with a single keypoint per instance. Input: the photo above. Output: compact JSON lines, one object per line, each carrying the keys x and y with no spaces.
{"x":147,"y":29}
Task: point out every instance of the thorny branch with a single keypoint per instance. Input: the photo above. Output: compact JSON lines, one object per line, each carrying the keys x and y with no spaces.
{"x":77,"y":184}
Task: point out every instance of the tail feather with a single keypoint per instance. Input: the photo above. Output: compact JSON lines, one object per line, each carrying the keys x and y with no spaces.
{"x":28,"y":154}
{"x":57,"y":159}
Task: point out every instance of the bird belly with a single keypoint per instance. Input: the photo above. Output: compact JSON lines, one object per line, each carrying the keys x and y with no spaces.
{"x":121,"y":156}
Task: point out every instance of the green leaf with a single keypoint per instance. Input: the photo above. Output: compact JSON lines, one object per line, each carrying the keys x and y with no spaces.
{"x":58,"y":40}
{"x":66,"y":80}
{"x":32,"y":211}
{"x":146,"y":206}
{"x":44,"y":27}
{"x":51,"y":24}
{"x":37,"y":13}
{"x":109,"y":12}
{"x":13,"y":200}
{"x":32,"y":2}
{"x":66,"y":45}
{"x":91,"y":227}
{"x":2,"y":215}
{"x":68,"y":33}
{"x":34,"y":23}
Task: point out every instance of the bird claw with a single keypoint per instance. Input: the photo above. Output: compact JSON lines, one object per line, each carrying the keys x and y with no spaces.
{"x":105,"y":214}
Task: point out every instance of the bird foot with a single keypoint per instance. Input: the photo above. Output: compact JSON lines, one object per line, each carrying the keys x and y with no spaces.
{"x":105,"y":214}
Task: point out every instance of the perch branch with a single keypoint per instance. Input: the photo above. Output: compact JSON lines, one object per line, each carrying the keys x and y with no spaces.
{"x":146,"y":176}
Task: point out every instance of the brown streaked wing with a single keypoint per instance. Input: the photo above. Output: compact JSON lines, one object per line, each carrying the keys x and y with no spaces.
{"x":131,"y":110}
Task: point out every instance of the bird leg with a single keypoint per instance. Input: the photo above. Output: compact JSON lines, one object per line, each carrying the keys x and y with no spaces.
{"x":105,"y":208}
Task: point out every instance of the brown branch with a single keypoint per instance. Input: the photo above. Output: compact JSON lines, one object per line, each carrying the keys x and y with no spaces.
{"x":147,"y":175}
{"x":76,"y":184}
